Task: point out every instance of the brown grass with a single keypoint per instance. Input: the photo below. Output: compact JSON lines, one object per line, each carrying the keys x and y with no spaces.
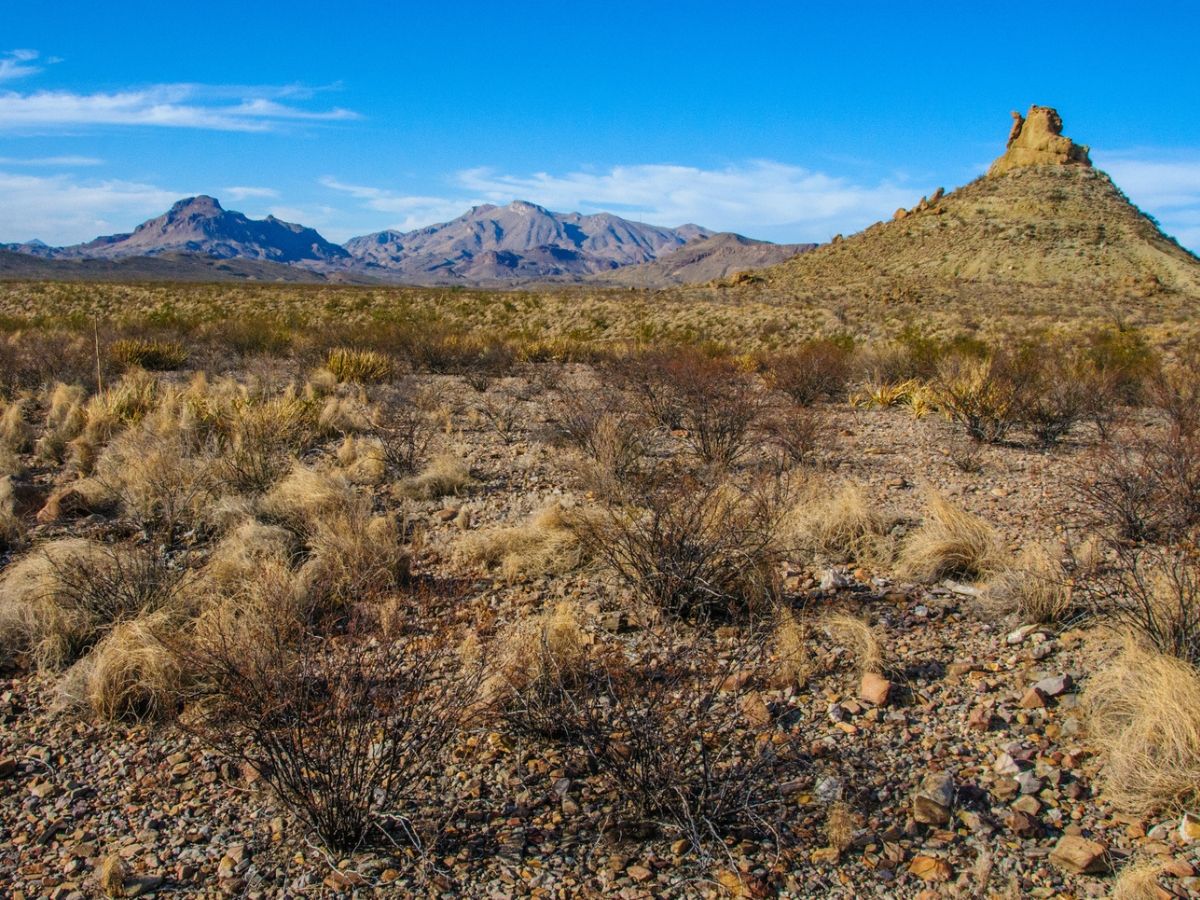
{"x":951,"y":542}
{"x":130,"y":674}
{"x":1143,"y":710}
{"x":446,"y":475}
{"x":1036,"y":587}
{"x":364,"y":460}
{"x":547,"y":543}
{"x":843,"y":526}
{"x":839,"y":827}
{"x":304,"y":497}
{"x":860,"y":638}
{"x":1138,"y":881}
{"x":16,"y":434}
{"x":354,"y":556}
{"x":789,"y":642}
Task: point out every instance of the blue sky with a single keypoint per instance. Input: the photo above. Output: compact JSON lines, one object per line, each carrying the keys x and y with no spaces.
{"x":789,"y":122}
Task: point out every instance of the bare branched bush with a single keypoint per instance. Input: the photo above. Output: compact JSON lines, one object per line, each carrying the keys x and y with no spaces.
{"x":401,"y":419}
{"x":1143,"y":709}
{"x":503,"y":412}
{"x":694,"y":547}
{"x":816,"y":370}
{"x":798,"y":434}
{"x":347,"y":729}
{"x":951,"y":542}
{"x":611,"y":437}
{"x":1055,"y":396}
{"x":983,"y":396}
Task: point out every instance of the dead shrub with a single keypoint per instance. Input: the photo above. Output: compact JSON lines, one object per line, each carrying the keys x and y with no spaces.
{"x":503,"y":412}
{"x":1143,"y":709}
{"x":982,"y":395}
{"x":63,"y":597}
{"x":445,"y":476}
{"x":816,"y":370}
{"x":548,"y":543}
{"x":348,"y":730}
{"x":1036,"y":587}
{"x":256,"y":441}
{"x":694,"y":547}
{"x":951,"y":542}
{"x":400,"y":419}
{"x":353,"y":557}
{"x":1054,"y":396}
{"x":799,"y":434}
{"x":610,"y":436}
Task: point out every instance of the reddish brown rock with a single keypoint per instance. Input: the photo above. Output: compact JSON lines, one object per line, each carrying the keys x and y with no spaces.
{"x":1079,"y":856}
{"x":874,"y":689}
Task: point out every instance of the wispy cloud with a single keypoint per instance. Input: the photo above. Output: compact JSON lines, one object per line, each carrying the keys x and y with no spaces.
{"x":16,"y":64}
{"x":760,"y":198}
{"x":59,"y":210}
{"x":1165,"y":185}
{"x":165,"y":105}
{"x":238,"y":194}
{"x":53,"y":161}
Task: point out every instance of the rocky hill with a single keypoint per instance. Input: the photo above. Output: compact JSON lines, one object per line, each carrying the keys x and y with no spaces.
{"x":517,"y":241}
{"x":702,"y":259}
{"x":201,"y":225}
{"x":169,"y":266}
{"x":1042,"y":220}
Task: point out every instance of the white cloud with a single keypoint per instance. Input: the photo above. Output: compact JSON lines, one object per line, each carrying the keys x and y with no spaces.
{"x":59,"y":210}
{"x":238,"y":194}
{"x":760,"y":198}
{"x":1166,"y":187}
{"x":15,"y":64}
{"x":53,"y":161}
{"x":165,"y":105}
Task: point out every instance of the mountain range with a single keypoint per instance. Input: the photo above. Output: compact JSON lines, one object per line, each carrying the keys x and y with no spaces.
{"x":487,"y":244}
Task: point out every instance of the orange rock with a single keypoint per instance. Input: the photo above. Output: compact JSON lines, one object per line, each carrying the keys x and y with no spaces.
{"x":874,"y":689}
{"x":930,"y":868}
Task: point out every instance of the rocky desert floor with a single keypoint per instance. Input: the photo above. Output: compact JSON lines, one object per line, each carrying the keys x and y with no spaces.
{"x":981,"y":717}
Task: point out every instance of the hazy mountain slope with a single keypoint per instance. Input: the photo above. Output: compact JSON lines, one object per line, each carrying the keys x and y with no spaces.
{"x":164,"y":267}
{"x":1057,"y":225}
{"x":201,"y":225}
{"x":521,"y":240}
{"x":702,"y":259}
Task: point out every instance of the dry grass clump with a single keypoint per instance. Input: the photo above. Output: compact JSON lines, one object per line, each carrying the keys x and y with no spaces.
{"x":790,"y":645}
{"x":446,"y":475}
{"x":547,"y":543}
{"x":364,"y":460}
{"x":360,"y":365}
{"x":156,"y":356}
{"x":1138,"y":881}
{"x":62,"y":598}
{"x":344,"y":415}
{"x":860,"y":638}
{"x":300,"y":501}
{"x":111,"y":878}
{"x":1144,"y":711}
{"x":839,"y":827}
{"x":12,"y":529}
{"x":1036,"y":587}
{"x":951,"y":542}
{"x":353,"y":556}
{"x":244,"y":550}
{"x":65,"y":420}
{"x":16,"y":434}
{"x":536,"y":657}
{"x":130,"y":674}
{"x":843,"y":526}
{"x":125,"y":403}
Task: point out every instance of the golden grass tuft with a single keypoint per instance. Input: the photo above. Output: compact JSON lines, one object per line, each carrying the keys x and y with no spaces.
{"x":790,"y":643}
{"x":16,"y":434}
{"x":354,"y":556}
{"x":1036,"y":587}
{"x":951,"y":542}
{"x":446,"y":475}
{"x":860,"y":638}
{"x":157,"y":356}
{"x":839,"y":827}
{"x":844,"y":526}
{"x":1143,"y":710}
{"x":1138,"y":881}
{"x":364,"y":460}
{"x":130,"y":674}
{"x":546,"y":544}
{"x":537,"y":652}
{"x":344,"y":415}
{"x":304,"y":497}
{"x":360,"y":365}
{"x":246,"y":548}
{"x":12,"y":529}
{"x":65,"y":420}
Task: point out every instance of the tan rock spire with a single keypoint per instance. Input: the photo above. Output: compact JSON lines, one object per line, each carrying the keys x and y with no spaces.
{"x":1037,"y":140}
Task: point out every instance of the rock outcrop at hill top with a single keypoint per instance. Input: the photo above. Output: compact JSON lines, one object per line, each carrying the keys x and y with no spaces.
{"x":1037,"y":140}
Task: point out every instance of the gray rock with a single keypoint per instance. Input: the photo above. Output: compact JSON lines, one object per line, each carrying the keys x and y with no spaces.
{"x":829,"y":789}
{"x":1052,"y":687}
{"x":1029,"y":782}
{"x":1005,"y":765}
{"x":939,"y":787}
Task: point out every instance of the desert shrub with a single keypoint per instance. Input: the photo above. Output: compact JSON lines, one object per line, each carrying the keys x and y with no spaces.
{"x":33,"y":358}
{"x":679,"y":729}
{"x":63,"y":597}
{"x":445,"y":476}
{"x":548,"y":543}
{"x":154,"y":356}
{"x":694,"y":547}
{"x":1146,"y":488}
{"x":353,"y":557}
{"x":982,"y":396}
{"x":712,"y":402}
{"x":1120,"y":365}
{"x":610,"y":436}
{"x":1175,"y":391}
{"x":503,"y":412}
{"x":401,"y":421}
{"x":1143,"y":710}
{"x":1054,"y":396}
{"x":342,"y":415}
{"x":798,"y":434}
{"x":1036,"y":587}
{"x":348,"y":730}
{"x":123,"y":404}
{"x":816,"y":370}
{"x":951,"y":542}
{"x":364,"y":366}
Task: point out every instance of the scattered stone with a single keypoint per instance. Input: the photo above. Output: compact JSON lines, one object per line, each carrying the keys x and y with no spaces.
{"x":931,"y":868}
{"x":930,"y":812}
{"x":1189,"y":828}
{"x":1029,"y":782}
{"x":1028,"y":804}
{"x":1005,"y":765}
{"x":980,"y":719}
{"x":939,"y":787}
{"x":829,"y":789}
{"x":1033,"y":699}
{"x":1079,"y":856}
{"x":874,"y":689}
{"x":1024,"y":825}
{"x":1053,"y":687}
{"x":639,"y":873}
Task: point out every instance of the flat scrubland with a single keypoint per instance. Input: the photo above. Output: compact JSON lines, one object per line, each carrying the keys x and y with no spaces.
{"x":316,"y":591}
